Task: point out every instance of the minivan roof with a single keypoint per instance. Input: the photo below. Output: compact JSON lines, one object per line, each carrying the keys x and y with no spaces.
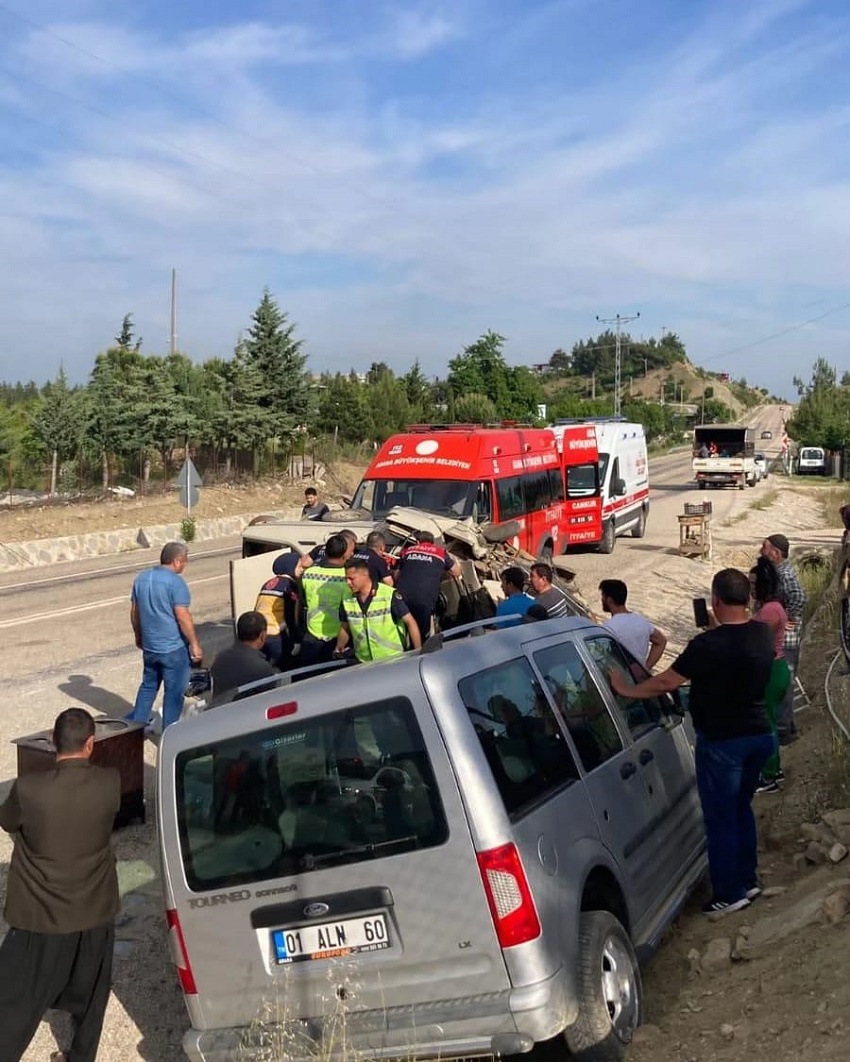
{"x":355,"y":684}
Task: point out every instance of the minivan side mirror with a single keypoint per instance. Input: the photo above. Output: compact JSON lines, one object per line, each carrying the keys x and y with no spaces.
{"x":619,"y":487}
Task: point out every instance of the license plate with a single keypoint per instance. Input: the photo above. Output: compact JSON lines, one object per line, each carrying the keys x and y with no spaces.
{"x":329,"y":940}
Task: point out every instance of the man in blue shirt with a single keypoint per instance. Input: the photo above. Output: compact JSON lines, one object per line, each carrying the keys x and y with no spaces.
{"x":165,"y":632}
{"x":516,"y":602}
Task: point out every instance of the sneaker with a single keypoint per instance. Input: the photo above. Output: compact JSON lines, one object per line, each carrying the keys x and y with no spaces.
{"x":724,"y":907}
{"x":767,"y":785}
{"x":753,"y":892}
{"x":780,"y":776}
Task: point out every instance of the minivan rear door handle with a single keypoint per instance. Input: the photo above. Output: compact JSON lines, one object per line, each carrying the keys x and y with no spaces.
{"x":646,"y":756}
{"x":627,"y":770}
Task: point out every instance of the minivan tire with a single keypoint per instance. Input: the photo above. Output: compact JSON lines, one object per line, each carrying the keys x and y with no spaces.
{"x":609,"y":538}
{"x":610,"y":991}
{"x":639,"y":530}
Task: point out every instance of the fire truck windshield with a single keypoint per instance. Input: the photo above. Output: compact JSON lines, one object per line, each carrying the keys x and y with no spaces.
{"x":451,"y":497}
{"x":581,"y":481}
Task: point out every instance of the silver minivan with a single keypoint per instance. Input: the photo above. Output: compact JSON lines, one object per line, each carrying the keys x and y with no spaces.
{"x":456,"y":853}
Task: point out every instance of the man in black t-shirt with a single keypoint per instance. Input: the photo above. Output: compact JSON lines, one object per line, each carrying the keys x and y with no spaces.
{"x":418,"y":577}
{"x":728,"y":667}
{"x":243,"y":662}
{"x":313,"y":509}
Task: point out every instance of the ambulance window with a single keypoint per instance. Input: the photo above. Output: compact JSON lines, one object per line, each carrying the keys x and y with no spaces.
{"x":509,"y":494}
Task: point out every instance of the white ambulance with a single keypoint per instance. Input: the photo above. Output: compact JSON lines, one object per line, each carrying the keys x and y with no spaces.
{"x":623,"y":478}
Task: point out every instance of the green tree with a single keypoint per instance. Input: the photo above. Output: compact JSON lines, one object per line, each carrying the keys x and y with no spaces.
{"x":388,"y":406}
{"x":57,"y":423}
{"x":822,"y":416}
{"x":475,"y":408}
{"x":482,"y":369}
{"x":115,"y":408}
{"x":125,"y":339}
{"x":420,"y":394}
{"x":272,"y":382}
{"x":343,"y":408}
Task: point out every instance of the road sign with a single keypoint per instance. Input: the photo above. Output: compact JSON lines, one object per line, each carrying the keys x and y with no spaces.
{"x":189,"y":497}
{"x":188,"y":480}
{"x":188,"y":475}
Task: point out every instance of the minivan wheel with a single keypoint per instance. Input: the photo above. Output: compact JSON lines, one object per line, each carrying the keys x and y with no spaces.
{"x":609,"y":538}
{"x":611,"y":993}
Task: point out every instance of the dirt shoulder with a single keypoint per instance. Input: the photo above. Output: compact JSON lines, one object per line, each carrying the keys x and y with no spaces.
{"x":789,"y":998}
{"x":25,"y":523}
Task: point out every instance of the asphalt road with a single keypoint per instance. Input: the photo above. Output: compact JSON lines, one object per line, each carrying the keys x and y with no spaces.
{"x":65,"y":630}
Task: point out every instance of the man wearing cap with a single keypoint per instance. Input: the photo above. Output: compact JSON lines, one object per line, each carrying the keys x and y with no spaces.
{"x":793,"y":597}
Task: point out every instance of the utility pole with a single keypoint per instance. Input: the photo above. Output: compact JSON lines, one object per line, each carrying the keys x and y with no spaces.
{"x":593,"y":386}
{"x":703,"y":406}
{"x":173,"y":345}
{"x":618,"y":322}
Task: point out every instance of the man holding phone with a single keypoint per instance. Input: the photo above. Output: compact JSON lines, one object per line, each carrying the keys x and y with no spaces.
{"x":728,"y":667}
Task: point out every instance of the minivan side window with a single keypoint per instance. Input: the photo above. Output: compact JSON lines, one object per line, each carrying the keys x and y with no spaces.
{"x":556,"y":485}
{"x":483,"y":511}
{"x":591,"y":725}
{"x":536,"y":489}
{"x":331,"y":790}
{"x":520,"y":736}
{"x":509,"y":493}
{"x":639,"y":716}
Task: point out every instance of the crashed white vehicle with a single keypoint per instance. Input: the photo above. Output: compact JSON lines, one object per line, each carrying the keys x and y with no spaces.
{"x":483,"y":553}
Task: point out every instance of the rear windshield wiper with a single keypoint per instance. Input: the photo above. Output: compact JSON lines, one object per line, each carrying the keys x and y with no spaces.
{"x":363,"y":849}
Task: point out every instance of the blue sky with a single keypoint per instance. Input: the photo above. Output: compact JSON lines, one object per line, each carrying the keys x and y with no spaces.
{"x":405,"y":175}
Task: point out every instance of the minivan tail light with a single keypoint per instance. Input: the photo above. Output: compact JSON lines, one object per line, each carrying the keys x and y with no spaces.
{"x":179,"y":955}
{"x":509,"y":897}
{"x":278,"y":711}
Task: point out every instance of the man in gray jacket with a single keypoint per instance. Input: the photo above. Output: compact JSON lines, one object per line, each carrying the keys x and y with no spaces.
{"x":61,"y":894}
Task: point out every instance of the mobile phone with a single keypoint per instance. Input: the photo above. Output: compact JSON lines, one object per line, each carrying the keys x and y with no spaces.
{"x":700,"y":612}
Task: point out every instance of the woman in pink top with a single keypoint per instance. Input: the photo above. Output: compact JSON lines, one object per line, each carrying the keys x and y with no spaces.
{"x":768,"y":609}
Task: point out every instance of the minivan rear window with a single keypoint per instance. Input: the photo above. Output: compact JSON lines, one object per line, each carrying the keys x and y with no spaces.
{"x":335,"y":789}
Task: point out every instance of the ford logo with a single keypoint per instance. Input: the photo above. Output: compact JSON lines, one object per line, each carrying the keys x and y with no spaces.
{"x":316,"y":910}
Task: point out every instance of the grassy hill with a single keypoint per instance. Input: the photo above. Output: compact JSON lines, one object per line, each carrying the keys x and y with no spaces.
{"x":679,"y":380}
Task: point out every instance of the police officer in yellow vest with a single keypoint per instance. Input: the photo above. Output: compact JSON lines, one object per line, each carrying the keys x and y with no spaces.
{"x":324,"y":586}
{"x":373,"y":617}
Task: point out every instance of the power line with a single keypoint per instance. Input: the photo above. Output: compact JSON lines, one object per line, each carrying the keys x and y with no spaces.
{"x":777,"y":335}
{"x":618,"y":321}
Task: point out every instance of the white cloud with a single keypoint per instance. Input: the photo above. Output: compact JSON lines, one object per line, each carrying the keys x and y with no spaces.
{"x":417,"y":32}
{"x":675,"y":188}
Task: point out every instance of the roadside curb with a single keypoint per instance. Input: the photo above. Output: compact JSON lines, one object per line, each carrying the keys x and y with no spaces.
{"x":38,"y":553}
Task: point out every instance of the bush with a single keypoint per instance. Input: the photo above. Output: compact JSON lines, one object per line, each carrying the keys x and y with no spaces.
{"x":188,"y":528}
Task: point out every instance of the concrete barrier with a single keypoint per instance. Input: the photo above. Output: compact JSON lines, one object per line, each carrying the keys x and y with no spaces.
{"x":20,"y":556}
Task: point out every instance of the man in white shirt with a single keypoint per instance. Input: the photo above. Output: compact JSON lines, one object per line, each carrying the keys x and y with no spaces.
{"x":632,"y":630}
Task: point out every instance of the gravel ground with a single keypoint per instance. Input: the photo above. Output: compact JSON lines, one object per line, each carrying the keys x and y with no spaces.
{"x":146,"y":1018}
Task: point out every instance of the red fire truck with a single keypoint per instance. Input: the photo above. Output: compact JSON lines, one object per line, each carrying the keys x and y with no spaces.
{"x":493,"y":475}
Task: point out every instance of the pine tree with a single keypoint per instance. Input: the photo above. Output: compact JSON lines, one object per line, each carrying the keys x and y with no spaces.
{"x":276,"y":377}
{"x":56,"y":422}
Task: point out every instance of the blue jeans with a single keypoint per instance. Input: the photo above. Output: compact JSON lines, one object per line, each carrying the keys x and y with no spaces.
{"x":171,"y":669}
{"x":727,"y":777}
